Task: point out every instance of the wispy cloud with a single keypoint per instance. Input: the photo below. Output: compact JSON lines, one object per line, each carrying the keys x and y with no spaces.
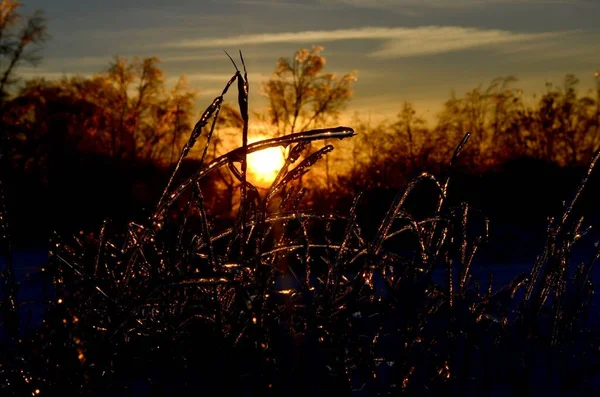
{"x":452,"y":4}
{"x":191,"y":57}
{"x":429,"y":41}
{"x":217,"y":77}
{"x":30,"y":73}
{"x":397,"y":42}
{"x":98,"y":62}
{"x":280,"y":4}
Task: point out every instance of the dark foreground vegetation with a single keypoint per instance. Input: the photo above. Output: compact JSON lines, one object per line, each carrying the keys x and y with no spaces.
{"x":291,"y":300}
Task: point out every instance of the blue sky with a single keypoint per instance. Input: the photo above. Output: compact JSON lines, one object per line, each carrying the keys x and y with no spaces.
{"x":416,"y":50}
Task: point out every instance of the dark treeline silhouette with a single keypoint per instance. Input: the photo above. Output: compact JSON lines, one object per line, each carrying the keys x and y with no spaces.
{"x":560,"y":127}
{"x":107,"y":143}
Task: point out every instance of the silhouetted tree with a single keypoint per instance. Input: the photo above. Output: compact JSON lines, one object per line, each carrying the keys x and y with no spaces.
{"x":372,"y":155}
{"x":301,"y":95}
{"x":146,"y":121}
{"x":467,"y":114}
{"x":413,"y":138}
{"x":20,"y":39}
{"x":126,"y":113}
{"x":561,"y":127}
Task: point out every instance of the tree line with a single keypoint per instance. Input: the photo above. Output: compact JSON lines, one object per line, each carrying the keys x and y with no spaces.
{"x":128,"y":115}
{"x":561,"y":126}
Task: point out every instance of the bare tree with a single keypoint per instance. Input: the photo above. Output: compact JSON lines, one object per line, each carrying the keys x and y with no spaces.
{"x":20,"y":41}
{"x":146,"y":120}
{"x":126,"y":113}
{"x":302,"y":96}
{"x":412,"y":129}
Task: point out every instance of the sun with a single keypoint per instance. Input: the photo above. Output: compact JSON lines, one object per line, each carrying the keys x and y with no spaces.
{"x":263,"y":166}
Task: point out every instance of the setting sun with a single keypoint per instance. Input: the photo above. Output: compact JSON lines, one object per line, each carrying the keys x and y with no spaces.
{"x":264,"y":165}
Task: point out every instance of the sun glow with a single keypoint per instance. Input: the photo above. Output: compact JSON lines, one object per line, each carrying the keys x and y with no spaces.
{"x":263,"y":166}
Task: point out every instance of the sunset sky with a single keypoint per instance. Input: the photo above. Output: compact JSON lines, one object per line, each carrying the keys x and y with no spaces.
{"x":417,"y":50}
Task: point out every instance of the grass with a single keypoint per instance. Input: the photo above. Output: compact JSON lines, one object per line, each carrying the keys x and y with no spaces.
{"x":288,"y":300}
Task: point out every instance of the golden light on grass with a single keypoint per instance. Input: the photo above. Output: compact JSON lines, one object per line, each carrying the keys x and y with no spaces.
{"x":263,"y":166}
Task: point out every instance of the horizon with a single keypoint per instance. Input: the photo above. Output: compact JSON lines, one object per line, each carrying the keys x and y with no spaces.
{"x":416,"y":51}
